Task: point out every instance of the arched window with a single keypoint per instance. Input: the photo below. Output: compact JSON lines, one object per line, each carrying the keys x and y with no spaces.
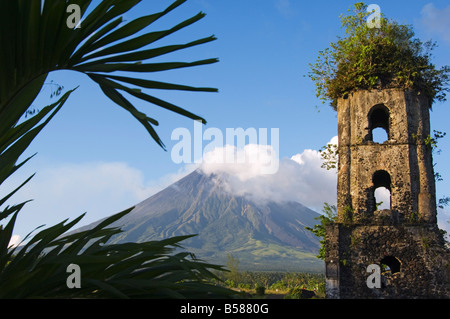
{"x":390,"y":264}
{"x":379,"y":123}
{"x":382,"y":198}
{"x":382,"y":189}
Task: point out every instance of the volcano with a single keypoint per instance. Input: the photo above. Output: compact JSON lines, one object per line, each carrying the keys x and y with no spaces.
{"x":260,"y":233}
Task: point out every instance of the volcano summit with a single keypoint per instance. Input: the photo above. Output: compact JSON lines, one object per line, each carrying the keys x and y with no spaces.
{"x":262,"y":234}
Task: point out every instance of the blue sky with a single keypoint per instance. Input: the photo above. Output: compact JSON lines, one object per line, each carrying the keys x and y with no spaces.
{"x":94,"y":157}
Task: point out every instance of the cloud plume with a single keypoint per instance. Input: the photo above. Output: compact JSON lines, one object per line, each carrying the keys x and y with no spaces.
{"x":299,"y":178}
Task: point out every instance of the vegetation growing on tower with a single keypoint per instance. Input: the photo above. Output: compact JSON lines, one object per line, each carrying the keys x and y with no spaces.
{"x":377,"y":58}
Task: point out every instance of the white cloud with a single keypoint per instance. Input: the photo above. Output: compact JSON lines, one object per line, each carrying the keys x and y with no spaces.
{"x":299,"y":178}
{"x":437,"y":20}
{"x":248,"y":162}
{"x":100,"y":189}
{"x":383,"y":196}
{"x":69,"y":190}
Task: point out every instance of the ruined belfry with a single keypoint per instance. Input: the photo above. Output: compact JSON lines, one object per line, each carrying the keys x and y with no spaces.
{"x":403,"y":240}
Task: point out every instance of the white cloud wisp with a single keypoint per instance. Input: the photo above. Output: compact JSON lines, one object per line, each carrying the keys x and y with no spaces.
{"x":299,"y":178}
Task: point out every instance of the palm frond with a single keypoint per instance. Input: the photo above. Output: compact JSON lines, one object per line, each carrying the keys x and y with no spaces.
{"x":131,"y":270}
{"x":35,"y":41}
{"x":38,"y":42}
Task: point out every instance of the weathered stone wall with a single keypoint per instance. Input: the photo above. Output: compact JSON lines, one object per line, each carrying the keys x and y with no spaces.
{"x":406,"y":235}
{"x":424,"y":263}
{"x":404,"y":155}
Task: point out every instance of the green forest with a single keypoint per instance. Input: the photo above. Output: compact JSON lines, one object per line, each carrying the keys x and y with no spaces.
{"x":271,"y":284}
{"x":275,"y":285}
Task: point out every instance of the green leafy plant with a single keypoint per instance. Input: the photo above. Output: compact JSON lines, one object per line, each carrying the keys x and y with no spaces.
{"x":300,"y":293}
{"x":355,"y":240}
{"x":260,"y":290}
{"x":329,"y":216}
{"x":36,"y":41}
{"x":347,"y":215}
{"x":432,"y":143}
{"x":444,"y":201}
{"x":376,"y":58}
{"x":378,"y":204}
{"x":330,"y":156}
{"x":414,"y":217}
{"x":233,"y":274}
{"x":38,"y":269}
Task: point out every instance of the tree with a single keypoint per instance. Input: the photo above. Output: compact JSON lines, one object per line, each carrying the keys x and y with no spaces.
{"x":233,"y":267}
{"x":329,"y":216}
{"x":329,"y":155}
{"x":376,"y":58}
{"x":36,"y":38}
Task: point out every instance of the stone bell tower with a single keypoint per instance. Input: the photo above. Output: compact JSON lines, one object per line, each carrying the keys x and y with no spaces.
{"x":403,"y":240}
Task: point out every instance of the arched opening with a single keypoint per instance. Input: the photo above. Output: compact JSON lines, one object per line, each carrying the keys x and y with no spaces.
{"x":379,"y":135}
{"x":390,"y":264}
{"x":382,"y":198}
{"x":382,"y":190}
{"x":379,"y":123}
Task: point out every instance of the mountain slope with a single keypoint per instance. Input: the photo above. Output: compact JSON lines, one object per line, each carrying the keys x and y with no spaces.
{"x":262,"y":235}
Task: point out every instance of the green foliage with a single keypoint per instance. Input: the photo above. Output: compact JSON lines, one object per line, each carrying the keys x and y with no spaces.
{"x":378,"y":205}
{"x":37,"y":269}
{"x":34,"y":42}
{"x":444,"y":201}
{"x":229,"y":283}
{"x":432,"y":142}
{"x":376,"y":58}
{"x":279,"y":282}
{"x":355,"y":240}
{"x":329,"y":155}
{"x":347,"y":215}
{"x":233,"y":275}
{"x":145,"y":270}
{"x":329,"y":217}
{"x":299,"y":293}
{"x":244,"y":286}
{"x":414,"y":217}
{"x":260,"y":290}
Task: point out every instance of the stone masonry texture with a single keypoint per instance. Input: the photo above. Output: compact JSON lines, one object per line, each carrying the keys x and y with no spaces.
{"x":405,"y":236}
